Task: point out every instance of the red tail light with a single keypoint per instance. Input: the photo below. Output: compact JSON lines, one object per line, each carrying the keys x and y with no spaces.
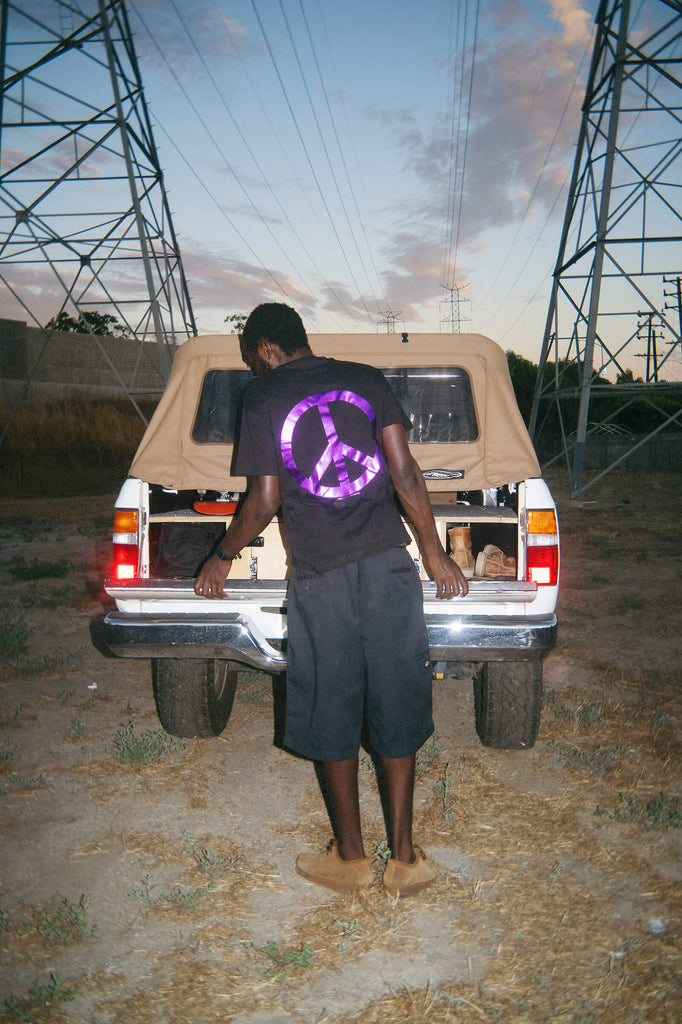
{"x":542,"y":565}
{"x":542,"y":560}
{"x":126,"y":552}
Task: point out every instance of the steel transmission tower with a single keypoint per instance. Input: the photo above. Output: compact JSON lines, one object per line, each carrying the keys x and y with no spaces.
{"x":83,"y":210}
{"x":454,"y":317}
{"x":621,"y":239}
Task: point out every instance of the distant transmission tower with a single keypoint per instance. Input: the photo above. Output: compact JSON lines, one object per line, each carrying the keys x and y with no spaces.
{"x":454,"y":317}
{"x":389,"y":320}
{"x":83,"y":210}
{"x":621,"y":239}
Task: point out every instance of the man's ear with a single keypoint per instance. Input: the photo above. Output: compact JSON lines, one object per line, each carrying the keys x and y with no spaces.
{"x":264,"y":348}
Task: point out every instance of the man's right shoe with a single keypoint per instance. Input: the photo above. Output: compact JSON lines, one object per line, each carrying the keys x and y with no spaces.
{"x":330,"y":870}
{"x":403,"y":879}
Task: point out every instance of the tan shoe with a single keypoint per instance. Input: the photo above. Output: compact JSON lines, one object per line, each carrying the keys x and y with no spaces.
{"x":330,"y":870}
{"x":403,"y":879}
{"x":493,"y":562}
{"x":460,"y":549}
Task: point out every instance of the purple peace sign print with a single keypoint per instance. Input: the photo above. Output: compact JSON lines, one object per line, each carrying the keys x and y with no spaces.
{"x":336,"y":450}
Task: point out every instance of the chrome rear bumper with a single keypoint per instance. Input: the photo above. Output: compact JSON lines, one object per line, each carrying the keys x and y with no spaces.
{"x":233,"y":637}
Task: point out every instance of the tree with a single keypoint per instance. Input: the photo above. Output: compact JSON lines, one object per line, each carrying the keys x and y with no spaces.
{"x":237,"y":320}
{"x":89,"y":322}
{"x":523,"y":374}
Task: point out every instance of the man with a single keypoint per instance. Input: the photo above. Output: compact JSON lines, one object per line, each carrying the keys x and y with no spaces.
{"x":327,"y":441}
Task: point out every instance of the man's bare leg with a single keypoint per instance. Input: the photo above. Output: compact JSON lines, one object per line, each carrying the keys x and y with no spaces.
{"x":398,"y":795}
{"x":339,"y":783}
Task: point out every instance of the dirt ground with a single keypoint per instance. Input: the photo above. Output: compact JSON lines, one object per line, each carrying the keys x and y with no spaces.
{"x":166,"y":891}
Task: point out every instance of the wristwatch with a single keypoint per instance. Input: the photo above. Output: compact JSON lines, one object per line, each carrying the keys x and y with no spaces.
{"x":225,"y":558}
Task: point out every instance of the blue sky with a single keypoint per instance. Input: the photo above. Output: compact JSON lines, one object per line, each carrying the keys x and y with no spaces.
{"x":342,"y":157}
{"x":354,"y":159}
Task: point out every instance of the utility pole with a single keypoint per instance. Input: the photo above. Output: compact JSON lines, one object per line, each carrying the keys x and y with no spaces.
{"x":651,"y":354}
{"x":676,"y":295}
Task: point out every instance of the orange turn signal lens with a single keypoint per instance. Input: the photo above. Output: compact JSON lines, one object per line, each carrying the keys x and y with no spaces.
{"x":125,"y":520}
{"x":541,"y":520}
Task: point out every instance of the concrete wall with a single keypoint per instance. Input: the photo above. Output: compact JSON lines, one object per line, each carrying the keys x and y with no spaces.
{"x":62,"y":364}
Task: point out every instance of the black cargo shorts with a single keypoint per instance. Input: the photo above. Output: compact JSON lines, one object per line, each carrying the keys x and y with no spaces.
{"x":358,"y":659}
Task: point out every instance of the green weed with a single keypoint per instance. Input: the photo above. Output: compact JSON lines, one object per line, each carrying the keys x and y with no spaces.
{"x":659,"y":812}
{"x":183,"y":899}
{"x":7,"y":753}
{"x":346,"y":930}
{"x":37,"y":570}
{"x":202,"y":856}
{"x":76,"y":729}
{"x":596,"y":761}
{"x":145,"y":748}
{"x":64,"y":696}
{"x":631,"y":603}
{"x":40,"y":1000}
{"x":13,"y":636}
{"x":62,"y":921}
{"x":382,"y":851}
{"x":429,"y":757}
{"x":22,"y":781}
{"x":583,"y":714}
{"x":445,"y":796}
{"x":57,"y":598}
{"x":660,"y":678}
{"x":282,"y":960}
{"x":49,"y":664}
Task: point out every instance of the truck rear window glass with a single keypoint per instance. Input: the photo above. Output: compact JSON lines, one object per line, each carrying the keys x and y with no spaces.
{"x":220,"y":406}
{"x":439,"y":401}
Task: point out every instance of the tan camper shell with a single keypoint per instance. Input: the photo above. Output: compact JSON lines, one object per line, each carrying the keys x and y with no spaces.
{"x":494,"y":513}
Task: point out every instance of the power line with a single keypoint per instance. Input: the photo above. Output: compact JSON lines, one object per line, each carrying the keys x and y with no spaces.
{"x":308,"y":158}
{"x":341,"y":152}
{"x":211,"y":135}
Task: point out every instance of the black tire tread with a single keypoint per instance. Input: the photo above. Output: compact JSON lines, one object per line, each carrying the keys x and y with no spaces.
{"x":508,"y":703}
{"x":186,"y":700}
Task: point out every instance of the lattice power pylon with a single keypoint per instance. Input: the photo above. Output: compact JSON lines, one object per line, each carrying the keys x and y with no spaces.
{"x":83,"y":209}
{"x":620,"y":252}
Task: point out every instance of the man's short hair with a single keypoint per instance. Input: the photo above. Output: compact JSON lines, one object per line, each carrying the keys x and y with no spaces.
{"x":277,"y":322}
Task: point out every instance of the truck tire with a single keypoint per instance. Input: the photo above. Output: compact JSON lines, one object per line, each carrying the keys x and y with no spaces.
{"x":193,"y":697}
{"x":507,"y":703}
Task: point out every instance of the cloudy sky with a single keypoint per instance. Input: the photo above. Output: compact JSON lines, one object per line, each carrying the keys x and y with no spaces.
{"x":366,"y":161}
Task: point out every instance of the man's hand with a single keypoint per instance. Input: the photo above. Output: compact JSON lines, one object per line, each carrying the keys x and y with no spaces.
{"x":260,"y":505}
{"x":211,"y":579}
{"x":448,"y":577}
{"x":410,"y":487}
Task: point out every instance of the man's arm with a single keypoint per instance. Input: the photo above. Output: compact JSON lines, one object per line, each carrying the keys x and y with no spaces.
{"x":260,"y":505}
{"x":410,"y":487}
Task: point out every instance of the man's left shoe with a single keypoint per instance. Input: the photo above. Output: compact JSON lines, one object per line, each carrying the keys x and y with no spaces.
{"x":330,"y":870}
{"x":403,"y":879}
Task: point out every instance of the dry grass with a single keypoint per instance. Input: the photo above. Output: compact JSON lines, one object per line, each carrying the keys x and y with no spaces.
{"x":73,"y":426}
{"x":553,"y":908}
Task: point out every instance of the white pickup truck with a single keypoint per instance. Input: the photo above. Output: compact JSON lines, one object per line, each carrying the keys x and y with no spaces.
{"x":494,"y":513}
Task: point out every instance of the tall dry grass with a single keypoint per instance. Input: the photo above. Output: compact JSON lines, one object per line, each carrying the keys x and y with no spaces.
{"x":57,"y":445}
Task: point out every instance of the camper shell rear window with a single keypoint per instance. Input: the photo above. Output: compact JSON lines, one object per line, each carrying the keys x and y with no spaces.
{"x":438,"y":400}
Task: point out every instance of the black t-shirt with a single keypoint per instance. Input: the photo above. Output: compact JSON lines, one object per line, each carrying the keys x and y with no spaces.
{"x":316,"y":423}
